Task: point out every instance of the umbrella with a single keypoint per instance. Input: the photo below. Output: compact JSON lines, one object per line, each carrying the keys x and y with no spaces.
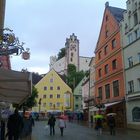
{"x":111,"y":114}
{"x":98,"y":116}
{"x":63,"y":117}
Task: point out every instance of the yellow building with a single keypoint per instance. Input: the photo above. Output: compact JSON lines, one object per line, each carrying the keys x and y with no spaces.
{"x":54,"y":95}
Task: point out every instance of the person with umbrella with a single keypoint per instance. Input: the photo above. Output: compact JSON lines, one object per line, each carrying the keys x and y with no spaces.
{"x":111,"y":124}
{"x":98,"y":123}
{"x":62,"y":124}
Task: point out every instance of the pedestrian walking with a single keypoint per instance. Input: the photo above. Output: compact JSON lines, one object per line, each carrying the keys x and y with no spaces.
{"x":111,"y":124}
{"x":61,"y":125}
{"x":14,"y":126}
{"x":32,"y":120}
{"x":98,"y":126}
{"x":51,"y":123}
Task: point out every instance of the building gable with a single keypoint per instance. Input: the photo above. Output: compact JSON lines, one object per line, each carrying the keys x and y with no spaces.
{"x":56,"y":79}
{"x":110,"y":24}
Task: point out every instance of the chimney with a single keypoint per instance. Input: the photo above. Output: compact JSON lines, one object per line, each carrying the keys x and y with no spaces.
{"x":106,"y":4}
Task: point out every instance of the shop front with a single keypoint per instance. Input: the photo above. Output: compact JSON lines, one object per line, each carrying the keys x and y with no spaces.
{"x":119,"y":109}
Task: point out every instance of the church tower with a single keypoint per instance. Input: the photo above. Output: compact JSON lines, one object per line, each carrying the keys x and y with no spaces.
{"x":72,"y":51}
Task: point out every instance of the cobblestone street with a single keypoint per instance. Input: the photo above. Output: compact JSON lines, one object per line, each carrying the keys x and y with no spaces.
{"x":79,"y":132}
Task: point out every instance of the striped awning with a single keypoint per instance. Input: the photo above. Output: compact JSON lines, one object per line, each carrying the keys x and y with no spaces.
{"x":15,"y":87}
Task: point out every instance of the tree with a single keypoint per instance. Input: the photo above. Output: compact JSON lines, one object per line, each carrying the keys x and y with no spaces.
{"x":61,"y":53}
{"x":73,"y":77}
{"x":30,"y":102}
{"x":79,"y":76}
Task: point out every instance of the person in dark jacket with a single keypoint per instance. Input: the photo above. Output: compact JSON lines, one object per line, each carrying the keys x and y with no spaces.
{"x":51,"y":123}
{"x":112,"y":125}
{"x":14,"y":126}
{"x":98,"y":126}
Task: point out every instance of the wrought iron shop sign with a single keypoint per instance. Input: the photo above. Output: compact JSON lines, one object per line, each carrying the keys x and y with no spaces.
{"x":9,"y":44}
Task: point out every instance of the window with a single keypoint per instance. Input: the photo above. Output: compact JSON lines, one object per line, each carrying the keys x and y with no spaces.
{"x":99,"y":72}
{"x":107,"y":91}
{"x":44,"y":96}
{"x":51,"y":80}
{"x":138,"y":57}
{"x":130,"y":61}
{"x":136,"y":114}
{"x":105,"y":50}
{"x":114,"y":64}
{"x":130,"y":87}
{"x":139,"y":84}
{"x":130,"y":38}
{"x":106,"y":33}
{"x":135,"y":5}
{"x":58,"y":104}
{"x":106,"y":18}
{"x":114,"y":43}
{"x":51,"y":96}
{"x":76,"y":106}
{"x":71,"y":59}
{"x":99,"y":55}
{"x":129,"y":25}
{"x":51,"y":88}
{"x":126,"y":26}
{"x":50,"y":104}
{"x":136,"y":32}
{"x":135,"y":19}
{"x":76,"y":98}
{"x":58,"y":88}
{"x":116,"y":88}
{"x":58,"y":95}
{"x":100,"y":92}
{"x":71,"y":54}
{"x":45,"y":88}
{"x":106,"y":69}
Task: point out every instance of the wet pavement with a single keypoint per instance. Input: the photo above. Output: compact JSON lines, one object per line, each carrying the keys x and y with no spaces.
{"x":75,"y":131}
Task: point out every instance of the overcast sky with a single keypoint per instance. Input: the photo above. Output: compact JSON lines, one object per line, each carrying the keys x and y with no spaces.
{"x":44,"y":26}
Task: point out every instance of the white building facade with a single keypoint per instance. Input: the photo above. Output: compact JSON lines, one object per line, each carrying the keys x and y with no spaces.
{"x":130,"y":34}
{"x":71,"y":57}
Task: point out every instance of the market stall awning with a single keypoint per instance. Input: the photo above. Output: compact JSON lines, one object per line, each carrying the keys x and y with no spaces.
{"x":15,"y":86}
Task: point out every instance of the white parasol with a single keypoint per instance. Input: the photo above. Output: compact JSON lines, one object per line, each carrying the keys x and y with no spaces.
{"x":111,"y":114}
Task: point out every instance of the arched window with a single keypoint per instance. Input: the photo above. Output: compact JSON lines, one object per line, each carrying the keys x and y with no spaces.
{"x":136,"y":114}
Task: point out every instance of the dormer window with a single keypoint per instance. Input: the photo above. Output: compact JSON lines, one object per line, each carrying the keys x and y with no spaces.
{"x":106,"y":33}
{"x":99,"y":55}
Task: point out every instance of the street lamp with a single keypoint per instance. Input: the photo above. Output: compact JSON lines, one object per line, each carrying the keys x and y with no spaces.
{"x":9,"y":44}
